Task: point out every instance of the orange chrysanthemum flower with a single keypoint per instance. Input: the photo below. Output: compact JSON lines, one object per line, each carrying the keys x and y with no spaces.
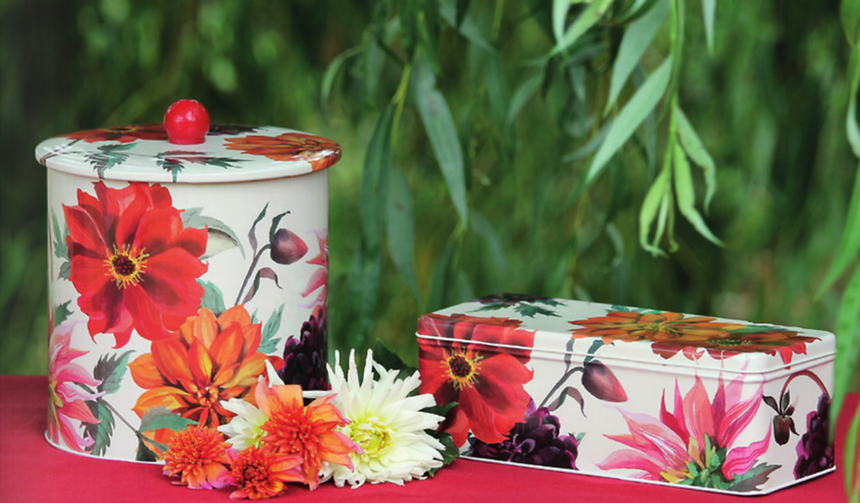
{"x":209,"y":360}
{"x":309,"y":431}
{"x":318,"y":151}
{"x":262,"y":473}
{"x":198,"y":455}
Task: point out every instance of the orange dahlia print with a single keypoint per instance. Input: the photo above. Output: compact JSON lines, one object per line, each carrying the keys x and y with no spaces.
{"x":318,"y":151}
{"x":209,"y":360}
{"x":672,"y":333}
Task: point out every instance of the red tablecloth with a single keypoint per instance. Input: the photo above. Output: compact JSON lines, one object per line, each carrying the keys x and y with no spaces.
{"x":33,"y":471}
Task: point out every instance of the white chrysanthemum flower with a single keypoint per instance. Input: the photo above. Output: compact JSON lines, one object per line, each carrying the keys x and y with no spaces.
{"x":245,"y":429}
{"x":386,"y":422}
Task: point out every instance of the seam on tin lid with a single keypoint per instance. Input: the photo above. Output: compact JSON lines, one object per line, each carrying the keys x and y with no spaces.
{"x":636,"y":332}
{"x":689,"y":365}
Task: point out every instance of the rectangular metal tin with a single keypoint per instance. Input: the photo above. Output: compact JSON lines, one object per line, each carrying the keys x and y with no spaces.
{"x":667,"y":398}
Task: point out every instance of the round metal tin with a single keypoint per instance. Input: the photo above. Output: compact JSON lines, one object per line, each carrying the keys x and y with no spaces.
{"x":177,"y":274}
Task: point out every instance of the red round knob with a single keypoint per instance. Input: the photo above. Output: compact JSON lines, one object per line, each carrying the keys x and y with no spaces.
{"x":186,"y":122}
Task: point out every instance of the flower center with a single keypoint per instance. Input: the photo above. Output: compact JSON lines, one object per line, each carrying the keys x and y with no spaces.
{"x":255,"y":472}
{"x":372,"y":435}
{"x":292,"y":436}
{"x":462,"y":368}
{"x":207,"y":397}
{"x":126,"y":265}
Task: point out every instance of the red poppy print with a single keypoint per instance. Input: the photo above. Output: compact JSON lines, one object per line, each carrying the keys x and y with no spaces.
{"x":133,"y":262}
{"x":122,"y":134}
{"x":318,"y":151}
{"x":487,"y":384}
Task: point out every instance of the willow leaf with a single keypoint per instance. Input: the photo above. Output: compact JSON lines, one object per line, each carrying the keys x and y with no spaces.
{"x":333,"y":69}
{"x":637,"y":38}
{"x":686,"y":194}
{"x":377,"y":162}
{"x":466,"y":26}
{"x":847,"y":341}
{"x":440,"y":129}
{"x":636,"y":9}
{"x":667,"y":209}
{"x":559,"y":15}
{"x":851,"y":461}
{"x":650,"y":207}
{"x":401,"y":231}
{"x":589,"y":17}
{"x":849,"y":246}
{"x":441,"y":281}
{"x":694,"y":148}
{"x":590,"y":146}
{"x":522,"y":95}
{"x":851,"y":126}
{"x":709,"y":11}
{"x":630,"y":117}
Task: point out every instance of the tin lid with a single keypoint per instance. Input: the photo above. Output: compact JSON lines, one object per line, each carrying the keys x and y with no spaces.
{"x":226,"y":153}
{"x":619,"y":333}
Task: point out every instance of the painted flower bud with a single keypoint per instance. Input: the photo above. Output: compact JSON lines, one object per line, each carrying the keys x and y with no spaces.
{"x":782,"y":427}
{"x":287,"y":247}
{"x":602,"y":383}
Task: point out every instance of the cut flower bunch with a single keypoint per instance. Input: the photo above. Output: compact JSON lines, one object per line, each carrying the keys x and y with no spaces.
{"x":372,"y":427}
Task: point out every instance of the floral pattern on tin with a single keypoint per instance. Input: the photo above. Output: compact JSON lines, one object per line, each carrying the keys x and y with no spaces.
{"x":538,"y":440}
{"x":70,"y":388}
{"x":318,"y":151}
{"x":133,"y":262}
{"x":486,"y":384}
{"x":139,"y":265}
{"x":208,"y":360}
{"x":121,"y":134}
{"x":142,"y":147}
{"x":672,"y":333}
{"x":697,"y":442}
{"x":721,"y":439}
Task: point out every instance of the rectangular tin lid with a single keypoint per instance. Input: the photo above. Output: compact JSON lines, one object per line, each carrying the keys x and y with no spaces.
{"x":627,"y":334}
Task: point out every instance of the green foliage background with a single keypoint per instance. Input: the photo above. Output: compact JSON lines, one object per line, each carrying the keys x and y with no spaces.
{"x":467,"y":148}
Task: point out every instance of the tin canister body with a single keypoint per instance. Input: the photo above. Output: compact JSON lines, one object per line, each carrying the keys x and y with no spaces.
{"x":645,"y":395}
{"x":177,"y":275}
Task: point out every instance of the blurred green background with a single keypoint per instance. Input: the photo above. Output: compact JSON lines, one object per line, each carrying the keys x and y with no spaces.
{"x":769,"y":102}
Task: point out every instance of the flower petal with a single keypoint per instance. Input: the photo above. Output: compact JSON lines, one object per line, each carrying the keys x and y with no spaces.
{"x":171,"y":357}
{"x":227,"y":347}
{"x":145,"y":372}
{"x":741,"y":459}
{"x":167,"y":396}
{"x":200,"y":363}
